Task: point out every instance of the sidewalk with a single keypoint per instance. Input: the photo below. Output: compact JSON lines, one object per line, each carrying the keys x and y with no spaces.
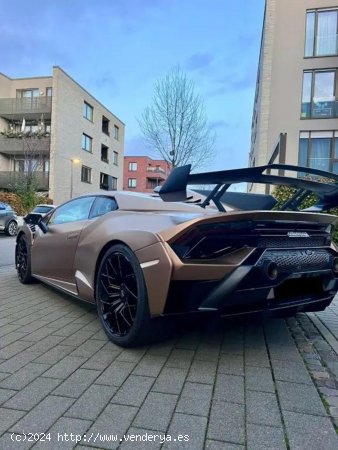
{"x":235,"y":388}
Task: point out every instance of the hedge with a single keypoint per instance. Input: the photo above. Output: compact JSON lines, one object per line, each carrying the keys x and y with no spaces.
{"x":16,"y":203}
{"x":284,"y":193}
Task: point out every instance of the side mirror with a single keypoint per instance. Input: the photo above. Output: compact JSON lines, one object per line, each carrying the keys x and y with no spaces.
{"x":36,"y":219}
{"x":43,"y":226}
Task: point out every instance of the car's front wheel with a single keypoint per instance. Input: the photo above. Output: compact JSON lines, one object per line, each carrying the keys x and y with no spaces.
{"x":121,"y":298}
{"x":12,"y":228}
{"x":23,"y":260}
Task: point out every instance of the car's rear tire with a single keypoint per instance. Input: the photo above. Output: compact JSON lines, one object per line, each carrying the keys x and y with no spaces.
{"x":121,"y":298}
{"x":12,"y":228}
{"x":23,"y":260}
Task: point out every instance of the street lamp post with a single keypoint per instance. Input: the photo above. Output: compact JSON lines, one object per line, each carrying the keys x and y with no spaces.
{"x":72,"y":162}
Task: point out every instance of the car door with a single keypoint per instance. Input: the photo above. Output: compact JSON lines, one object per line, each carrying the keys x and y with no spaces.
{"x":53,"y":252}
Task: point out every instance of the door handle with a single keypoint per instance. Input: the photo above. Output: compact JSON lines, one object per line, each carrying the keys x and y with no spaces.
{"x":72,"y":235}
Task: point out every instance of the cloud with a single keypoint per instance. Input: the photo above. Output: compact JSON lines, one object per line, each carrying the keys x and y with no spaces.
{"x":214,"y":124}
{"x":104,"y":81}
{"x":238,"y":80}
{"x":136,"y":146}
{"x":199,"y":61}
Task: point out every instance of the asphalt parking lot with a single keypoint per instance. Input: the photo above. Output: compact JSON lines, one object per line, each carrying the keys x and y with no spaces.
{"x":233,"y":386}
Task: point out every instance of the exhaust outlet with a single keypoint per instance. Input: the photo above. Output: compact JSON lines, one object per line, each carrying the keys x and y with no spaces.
{"x":335,"y":265}
{"x":270,"y":269}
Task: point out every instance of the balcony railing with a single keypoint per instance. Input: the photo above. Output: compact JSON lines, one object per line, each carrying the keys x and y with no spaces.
{"x":10,"y":179}
{"x":14,"y":146}
{"x":15,"y":108}
{"x":155,"y":169}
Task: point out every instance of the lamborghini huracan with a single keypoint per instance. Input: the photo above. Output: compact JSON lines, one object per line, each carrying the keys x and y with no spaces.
{"x":139,"y":257}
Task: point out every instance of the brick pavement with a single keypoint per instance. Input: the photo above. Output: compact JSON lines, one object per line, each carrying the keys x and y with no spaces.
{"x":236,"y":387}
{"x":329,"y":317}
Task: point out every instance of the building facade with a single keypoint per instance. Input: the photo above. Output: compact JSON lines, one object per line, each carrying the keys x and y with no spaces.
{"x":55,"y":128}
{"x":297,"y":85}
{"x":143,"y":174}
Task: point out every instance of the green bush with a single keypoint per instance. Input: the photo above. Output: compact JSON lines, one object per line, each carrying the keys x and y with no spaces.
{"x":13,"y":200}
{"x":23,"y":204}
{"x":284,"y":193}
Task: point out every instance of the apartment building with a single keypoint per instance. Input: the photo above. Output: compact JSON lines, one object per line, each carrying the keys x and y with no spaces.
{"x":143,"y":174}
{"x":297,"y":86}
{"x":51,"y":125}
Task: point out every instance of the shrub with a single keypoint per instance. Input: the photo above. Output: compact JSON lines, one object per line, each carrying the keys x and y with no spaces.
{"x":284,"y":193}
{"x":20,"y":204}
{"x":13,"y":200}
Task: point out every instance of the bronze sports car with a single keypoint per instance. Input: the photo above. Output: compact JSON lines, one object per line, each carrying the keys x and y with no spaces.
{"x":139,"y":257}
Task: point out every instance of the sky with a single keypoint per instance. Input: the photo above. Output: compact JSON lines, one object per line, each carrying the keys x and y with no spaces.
{"x":118,"y":49}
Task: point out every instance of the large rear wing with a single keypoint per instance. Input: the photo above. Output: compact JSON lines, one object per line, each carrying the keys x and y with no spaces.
{"x":175,"y":187}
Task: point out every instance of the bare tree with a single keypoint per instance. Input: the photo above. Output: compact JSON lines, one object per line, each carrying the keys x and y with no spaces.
{"x":175,"y":125}
{"x":33,"y":151}
{"x":27,"y":183}
{"x":27,"y":179}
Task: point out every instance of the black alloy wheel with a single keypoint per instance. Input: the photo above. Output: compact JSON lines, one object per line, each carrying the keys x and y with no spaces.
{"x":22,"y":260}
{"x":121,"y":297}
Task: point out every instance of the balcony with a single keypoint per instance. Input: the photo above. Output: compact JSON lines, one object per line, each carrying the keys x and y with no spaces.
{"x":9,"y":179}
{"x":30,"y":108}
{"x":156,"y":173}
{"x":155,"y":169}
{"x":15,"y":146}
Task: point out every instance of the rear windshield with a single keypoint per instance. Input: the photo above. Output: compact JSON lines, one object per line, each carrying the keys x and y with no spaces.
{"x":42,"y":209}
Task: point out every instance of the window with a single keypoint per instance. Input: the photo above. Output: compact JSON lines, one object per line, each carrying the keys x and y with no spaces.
{"x":105,"y":125}
{"x":31,"y":129}
{"x":152,"y":184}
{"x":114,"y":183}
{"x":115,"y":158}
{"x":104,"y":181}
{"x":28,"y":165}
{"x":87,"y":143}
{"x":27,"y":93}
{"x":104,"y":153}
{"x":86,"y":174}
{"x":49,"y":91}
{"x":88,"y":111}
{"x":321,"y":32}
{"x":132,"y":167}
{"x":319,"y":94}
{"x":319,"y":150}
{"x":103,"y":205}
{"x":73,"y":211}
{"x":116,"y":132}
{"x":132,"y":182}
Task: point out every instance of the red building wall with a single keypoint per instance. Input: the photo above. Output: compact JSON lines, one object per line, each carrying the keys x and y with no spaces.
{"x":148,"y":174}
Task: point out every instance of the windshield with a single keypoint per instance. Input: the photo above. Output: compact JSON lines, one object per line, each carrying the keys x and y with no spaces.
{"x":42,"y":209}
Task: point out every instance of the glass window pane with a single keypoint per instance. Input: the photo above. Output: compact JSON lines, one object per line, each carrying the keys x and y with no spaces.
{"x":323,"y":95}
{"x":303,"y":149}
{"x":103,"y":205}
{"x":306,"y":97}
{"x":310,"y":33}
{"x":336,"y":148}
{"x":72,"y":211}
{"x":320,"y":154}
{"x":335,"y":168}
{"x":326,"y":40}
